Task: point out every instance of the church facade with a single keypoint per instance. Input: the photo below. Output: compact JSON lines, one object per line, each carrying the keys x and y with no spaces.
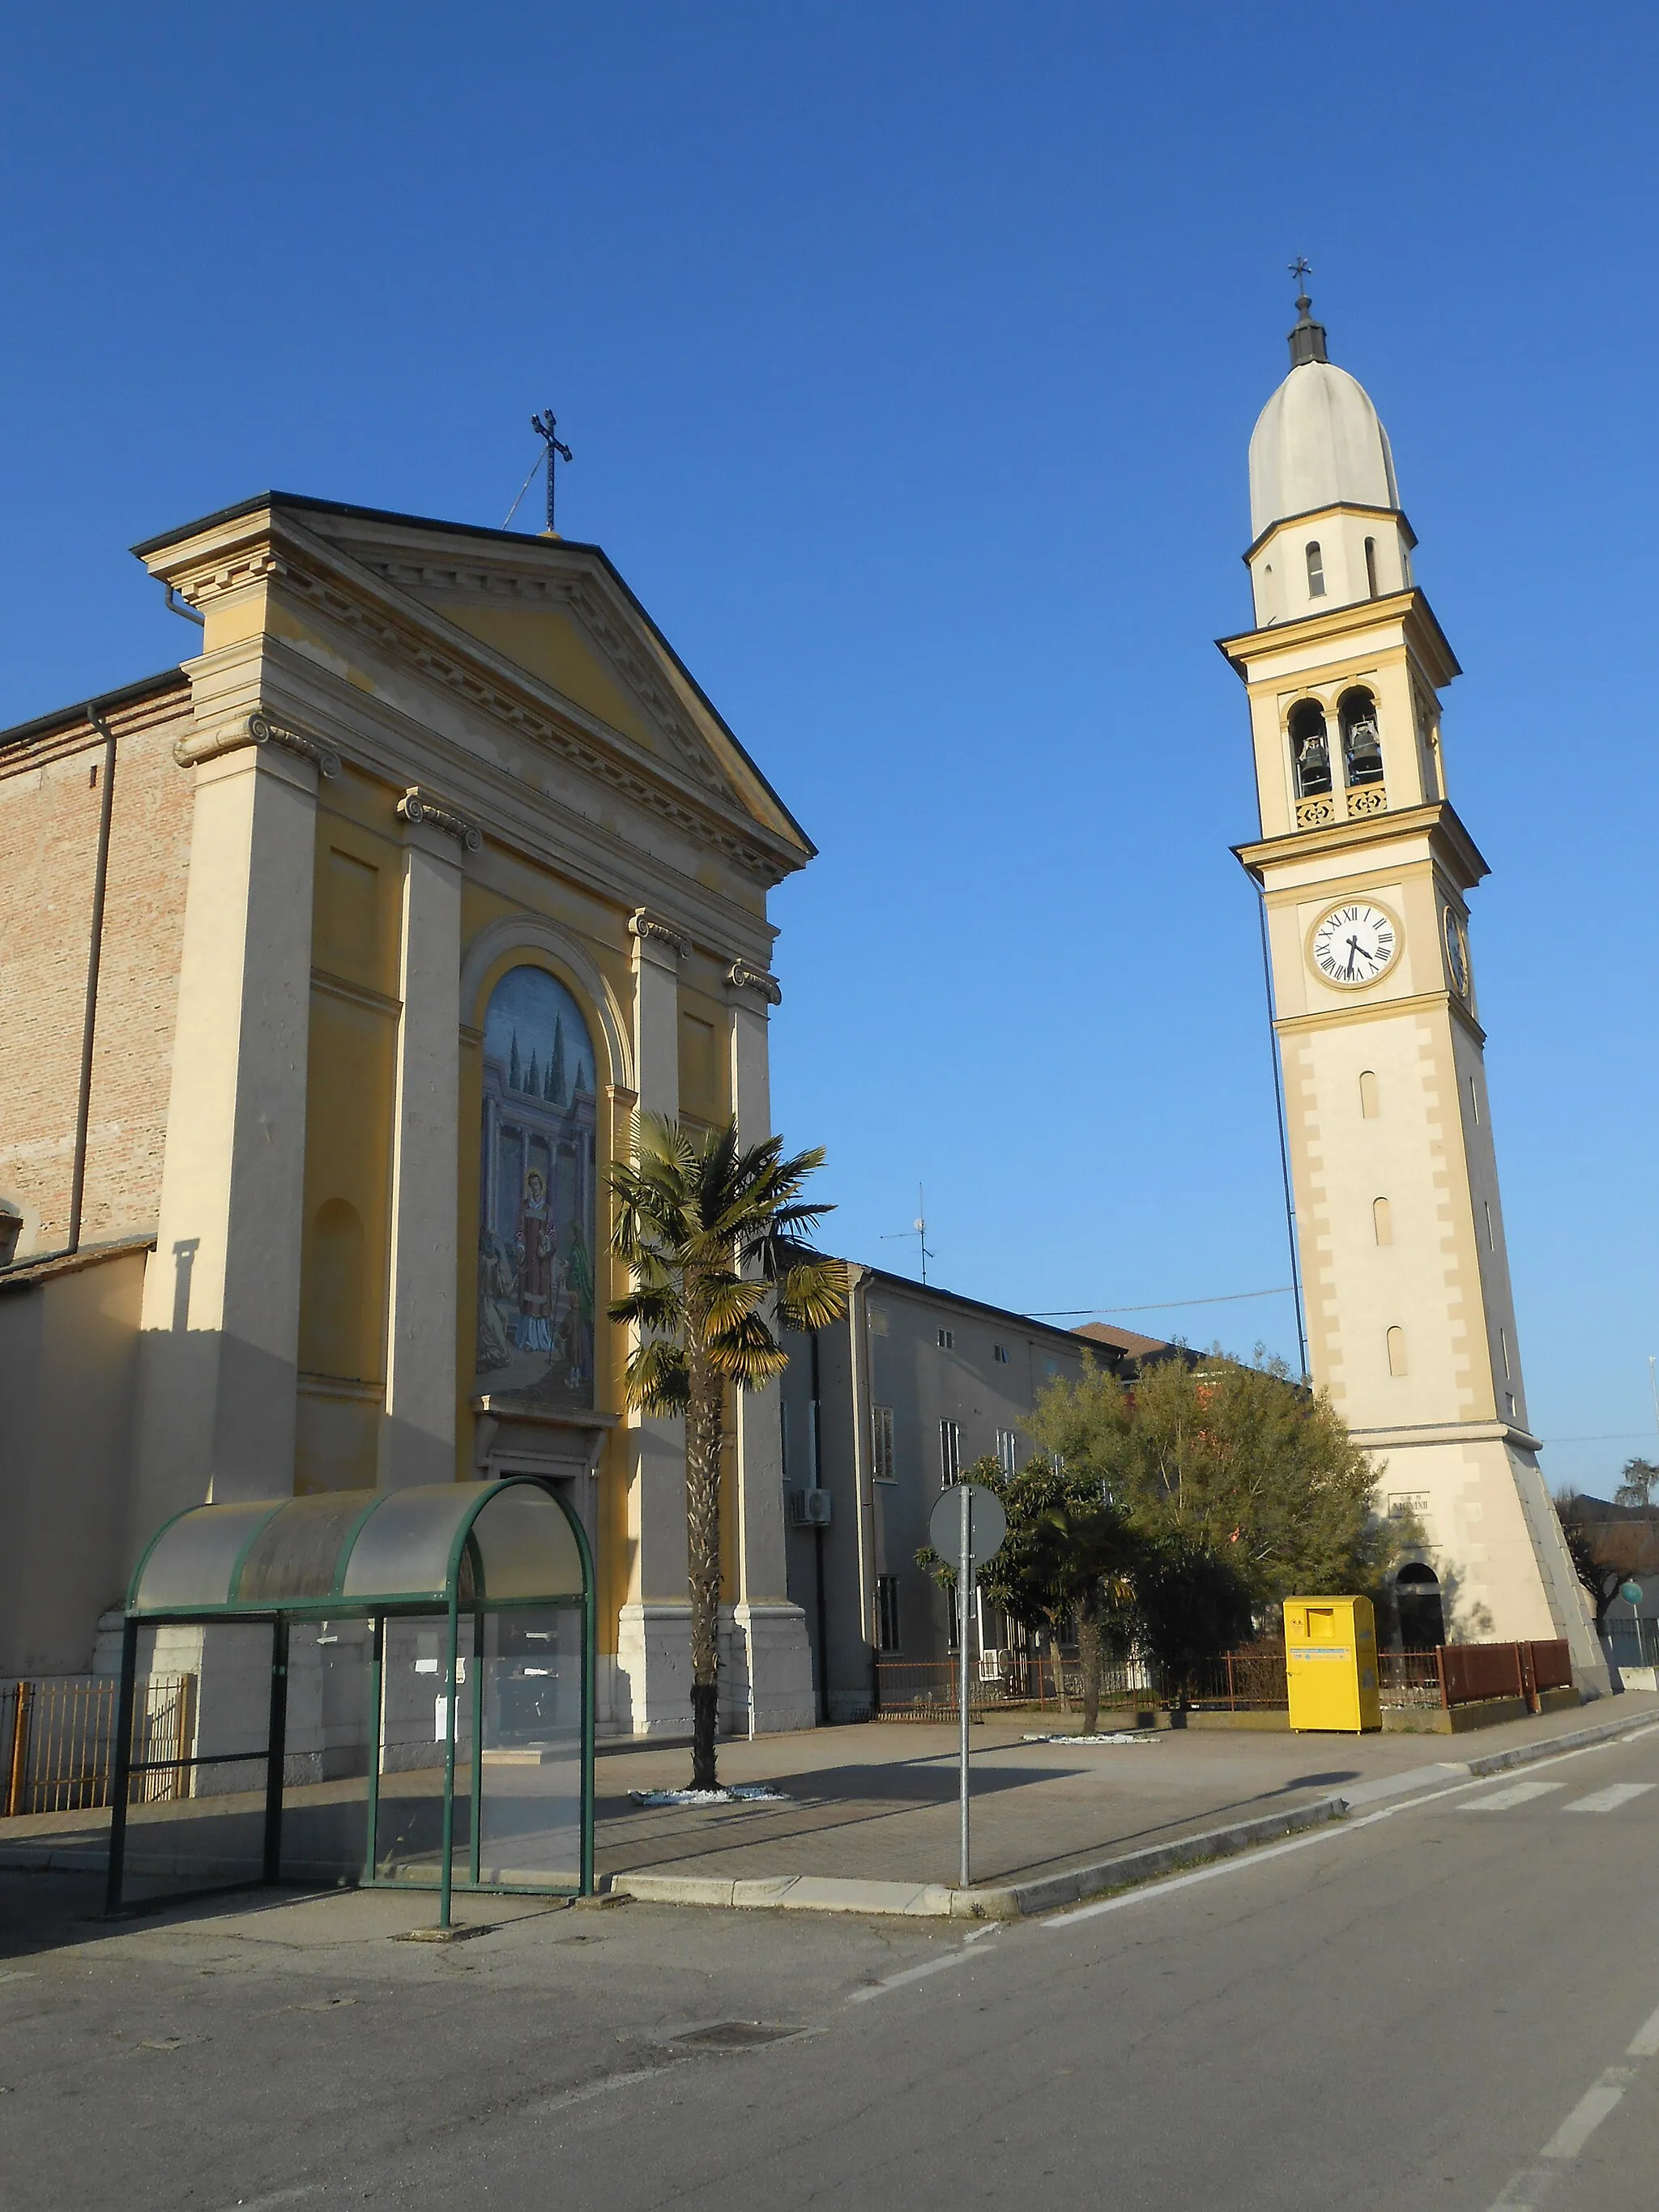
{"x":340,"y":959}
{"x":1366,"y":869}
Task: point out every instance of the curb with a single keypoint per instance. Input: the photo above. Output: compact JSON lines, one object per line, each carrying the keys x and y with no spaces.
{"x":1022,"y":1900}
{"x":1527,"y":1754}
{"x":1005,"y":1901}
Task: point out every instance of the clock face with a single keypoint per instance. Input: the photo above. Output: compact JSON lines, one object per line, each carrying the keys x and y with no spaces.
{"x":1457,"y":955}
{"x":1354,"y":944}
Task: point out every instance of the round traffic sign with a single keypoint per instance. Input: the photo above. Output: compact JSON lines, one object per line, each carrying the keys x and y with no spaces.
{"x":1631,"y":1592}
{"x":987,"y":1524}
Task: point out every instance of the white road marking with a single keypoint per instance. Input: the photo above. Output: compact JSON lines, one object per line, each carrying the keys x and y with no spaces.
{"x":279,"y":2196}
{"x":601,"y":2088}
{"x":1587,"y":2114}
{"x":1610,"y":1799}
{"x":1644,"y":2044}
{"x":1518,"y":1793}
{"x":918,"y":1974}
{"x":1332,"y":1832}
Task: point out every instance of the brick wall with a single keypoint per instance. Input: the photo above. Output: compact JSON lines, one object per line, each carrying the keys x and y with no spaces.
{"x":50,"y":803}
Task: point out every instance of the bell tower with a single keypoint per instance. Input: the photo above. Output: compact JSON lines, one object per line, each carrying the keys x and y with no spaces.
{"x":1366,"y":870}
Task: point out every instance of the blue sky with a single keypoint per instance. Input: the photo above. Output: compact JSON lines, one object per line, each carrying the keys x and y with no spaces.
{"x":909,"y":356}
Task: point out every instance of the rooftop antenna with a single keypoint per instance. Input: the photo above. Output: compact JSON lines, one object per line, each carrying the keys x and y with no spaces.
{"x":553,"y":449}
{"x":917,"y":1229}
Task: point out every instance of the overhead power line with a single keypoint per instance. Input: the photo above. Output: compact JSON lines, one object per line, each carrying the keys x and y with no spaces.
{"x":1163,"y":1305}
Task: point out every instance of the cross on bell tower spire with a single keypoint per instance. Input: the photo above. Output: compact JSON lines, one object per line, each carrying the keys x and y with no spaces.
{"x":1308,"y":338}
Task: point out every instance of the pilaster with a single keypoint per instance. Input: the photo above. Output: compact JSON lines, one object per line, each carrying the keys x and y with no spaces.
{"x":768,"y":1633}
{"x":653,"y":1655}
{"x":222,"y":1297}
{"x":418,"y":1434}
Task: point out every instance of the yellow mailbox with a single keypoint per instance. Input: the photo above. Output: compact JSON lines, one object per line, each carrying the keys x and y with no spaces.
{"x":1330,"y":1663}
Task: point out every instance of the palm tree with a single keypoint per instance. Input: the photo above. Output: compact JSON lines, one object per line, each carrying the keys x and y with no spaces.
{"x":712,"y":1237}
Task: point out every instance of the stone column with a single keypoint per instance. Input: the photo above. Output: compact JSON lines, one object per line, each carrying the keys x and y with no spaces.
{"x":220,"y":1345}
{"x":418,"y":1434}
{"x":769,"y":1682}
{"x":654,"y":1654}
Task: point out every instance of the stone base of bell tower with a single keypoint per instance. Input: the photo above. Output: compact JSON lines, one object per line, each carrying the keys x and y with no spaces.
{"x":1493,"y":1537}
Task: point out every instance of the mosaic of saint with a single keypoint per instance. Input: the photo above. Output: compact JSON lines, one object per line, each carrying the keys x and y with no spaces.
{"x":535,"y":1200}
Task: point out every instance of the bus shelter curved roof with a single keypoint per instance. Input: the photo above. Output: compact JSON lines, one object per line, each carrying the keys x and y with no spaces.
{"x":363,"y":1551}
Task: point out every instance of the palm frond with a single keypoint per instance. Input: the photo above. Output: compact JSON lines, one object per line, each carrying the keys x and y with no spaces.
{"x":658,"y":1377}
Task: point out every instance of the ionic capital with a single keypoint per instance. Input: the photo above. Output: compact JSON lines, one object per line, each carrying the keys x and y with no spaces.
{"x":649,"y":931}
{"x":258,"y":729}
{"x":742,"y":977}
{"x":416,"y":807}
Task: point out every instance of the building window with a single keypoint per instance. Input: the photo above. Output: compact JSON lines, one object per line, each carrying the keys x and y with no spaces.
{"x":950,"y":1453}
{"x":1315,"y":570}
{"x":1000,"y":1354}
{"x":1369,"y":1107}
{"x":1310,"y":750}
{"x":1503,"y":1347}
{"x":887,"y":1614}
{"x":947,"y":1340}
{"x":783,"y":1437}
{"x":1492,"y":1235}
{"x":881,"y":1422}
{"x":1396,"y":1351}
{"x":1051,"y":1368}
{"x":1362,"y":748}
{"x":1382,"y":1220}
{"x":1371,"y":566}
{"x":1474,"y":1100}
{"x":1007,"y":1447}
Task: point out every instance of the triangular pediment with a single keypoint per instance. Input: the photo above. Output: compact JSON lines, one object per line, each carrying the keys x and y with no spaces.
{"x":555,"y":611}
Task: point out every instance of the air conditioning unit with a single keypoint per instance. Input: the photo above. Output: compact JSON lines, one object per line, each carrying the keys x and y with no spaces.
{"x":809,"y":1509}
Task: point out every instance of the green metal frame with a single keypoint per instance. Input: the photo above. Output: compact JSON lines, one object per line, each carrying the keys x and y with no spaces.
{"x":404,"y":1605}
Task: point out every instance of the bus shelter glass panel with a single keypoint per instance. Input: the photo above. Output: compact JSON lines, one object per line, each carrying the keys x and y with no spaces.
{"x":193,"y":1560}
{"x":415,"y":1701}
{"x":328,"y":1748}
{"x":197,"y":1788}
{"x":529,"y":1719}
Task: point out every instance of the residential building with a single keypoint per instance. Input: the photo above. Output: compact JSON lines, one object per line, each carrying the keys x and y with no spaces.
{"x":878,"y":1414}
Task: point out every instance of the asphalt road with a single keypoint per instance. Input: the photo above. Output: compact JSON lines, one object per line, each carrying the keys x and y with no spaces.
{"x":1450,"y":2002}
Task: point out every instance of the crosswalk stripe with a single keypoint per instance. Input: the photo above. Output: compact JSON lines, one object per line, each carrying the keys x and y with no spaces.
{"x":1610,"y":1799}
{"x":1518,"y":1793}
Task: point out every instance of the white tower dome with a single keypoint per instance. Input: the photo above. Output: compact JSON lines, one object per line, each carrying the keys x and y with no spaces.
{"x":1318,"y":446}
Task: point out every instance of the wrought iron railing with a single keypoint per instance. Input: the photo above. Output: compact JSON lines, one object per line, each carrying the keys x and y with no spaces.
{"x":57,"y":1735}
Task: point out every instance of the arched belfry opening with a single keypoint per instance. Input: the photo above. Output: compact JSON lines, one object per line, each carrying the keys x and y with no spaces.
{"x":1310,"y":748}
{"x":1362,"y":745}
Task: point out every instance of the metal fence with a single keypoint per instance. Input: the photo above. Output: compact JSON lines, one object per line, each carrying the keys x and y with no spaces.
{"x":58,"y":1738}
{"x":1249,"y":1679}
{"x":1633,"y":1642}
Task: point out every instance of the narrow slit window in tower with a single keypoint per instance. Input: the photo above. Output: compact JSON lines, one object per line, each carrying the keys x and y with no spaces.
{"x":1369,"y":1107}
{"x":1382,"y":1220}
{"x":1310,"y":748}
{"x":1396,"y":1351}
{"x":1370,"y":565}
{"x":1504,"y":1349}
{"x":1315,"y":570}
{"x":1474,"y":1100}
{"x":1491,"y":1237}
{"x":1362,"y":748}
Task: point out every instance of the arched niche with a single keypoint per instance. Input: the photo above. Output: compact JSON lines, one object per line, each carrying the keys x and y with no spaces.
{"x":493,"y":947}
{"x":1421,"y":1611}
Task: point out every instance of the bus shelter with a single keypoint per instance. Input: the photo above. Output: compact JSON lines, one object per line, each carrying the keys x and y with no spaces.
{"x":391,"y":1688}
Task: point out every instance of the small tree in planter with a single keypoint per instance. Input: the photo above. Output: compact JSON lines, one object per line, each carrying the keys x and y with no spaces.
{"x":711,"y":1235}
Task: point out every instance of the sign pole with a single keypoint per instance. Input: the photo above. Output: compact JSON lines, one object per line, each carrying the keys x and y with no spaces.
{"x":964,"y":1583}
